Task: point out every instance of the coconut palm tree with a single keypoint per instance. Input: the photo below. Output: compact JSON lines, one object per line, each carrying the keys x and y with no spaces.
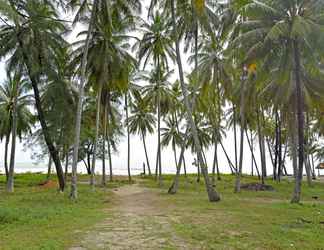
{"x":292,"y":30}
{"x":141,"y":121}
{"x":17,"y":119}
{"x":32,"y":37}
{"x":156,"y":47}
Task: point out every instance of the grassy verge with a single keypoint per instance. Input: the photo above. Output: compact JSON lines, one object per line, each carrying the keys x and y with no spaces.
{"x":249,"y":220}
{"x":35,"y":217}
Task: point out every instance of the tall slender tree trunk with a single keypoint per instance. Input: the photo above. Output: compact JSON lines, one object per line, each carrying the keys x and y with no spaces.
{"x":233,"y":169}
{"x":128,"y":140}
{"x":6,"y":156}
{"x":237,"y":187}
{"x":10,"y":181}
{"x":66,"y":165}
{"x":235,"y":136}
{"x":94,"y":156}
{"x":261,"y":146}
{"x":250,"y":142}
{"x":146,"y":156}
{"x":159,"y":126}
{"x":110,"y":161}
{"x":49,"y":167}
{"x":300,"y":123}
{"x":175,"y":184}
{"x":74,"y":192}
{"x":212,"y":194}
{"x":103,"y":180}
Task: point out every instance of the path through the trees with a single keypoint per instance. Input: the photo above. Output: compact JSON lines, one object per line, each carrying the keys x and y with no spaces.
{"x":136,"y":219}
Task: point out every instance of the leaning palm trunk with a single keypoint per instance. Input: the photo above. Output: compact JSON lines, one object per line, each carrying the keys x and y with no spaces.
{"x":300,"y":126}
{"x":34,"y":78}
{"x":74,"y":192}
{"x":128,"y":140}
{"x":212,"y":194}
{"x":146,"y":156}
{"x":10,"y":181}
{"x":94,"y":156}
{"x":175,"y":184}
{"x":49,"y":168}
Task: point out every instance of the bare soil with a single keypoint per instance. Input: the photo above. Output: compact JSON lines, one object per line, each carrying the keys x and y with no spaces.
{"x":136,"y":219}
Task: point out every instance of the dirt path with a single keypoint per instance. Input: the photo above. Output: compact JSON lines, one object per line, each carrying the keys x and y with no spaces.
{"x":137,"y":220}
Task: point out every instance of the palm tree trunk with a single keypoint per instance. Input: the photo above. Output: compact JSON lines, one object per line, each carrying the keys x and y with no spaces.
{"x":300,"y":124}
{"x":128,"y":140}
{"x":252,"y":153}
{"x":66,"y":165}
{"x":74,"y":192}
{"x":159,"y":126}
{"x":94,"y":156}
{"x":261,"y":146}
{"x":103,"y":181}
{"x":110,"y":161}
{"x":235,"y":136}
{"x":146,"y":156}
{"x":233,"y":169}
{"x":173,"y":189}
{"x":10,"y":181}
{"x":6,"y":156}
{"x":212,"y":194}
{"x":49,"y":168}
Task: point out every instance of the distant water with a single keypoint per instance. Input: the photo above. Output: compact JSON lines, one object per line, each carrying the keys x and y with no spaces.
{"x":24,"y":167}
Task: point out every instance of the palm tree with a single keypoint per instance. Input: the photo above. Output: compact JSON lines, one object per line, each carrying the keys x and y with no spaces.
{"x":291,"y":29}
{"x":212,"y":194}
{"x":31,"y":36}
{"x":18,"y":119}
{"x":141,"y":121}
{"x":171,"y":134}
{"x":156,"y":46}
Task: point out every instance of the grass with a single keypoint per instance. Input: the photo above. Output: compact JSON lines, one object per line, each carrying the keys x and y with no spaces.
{"x":35,"y":217}
{"x":249,"y":220}
{"x":41,"y":218}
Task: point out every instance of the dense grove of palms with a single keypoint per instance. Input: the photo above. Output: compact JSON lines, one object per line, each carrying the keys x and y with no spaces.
{"x":255,"y":66}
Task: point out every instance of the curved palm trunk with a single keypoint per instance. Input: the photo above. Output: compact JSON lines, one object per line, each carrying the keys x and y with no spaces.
{"x":300,"y":124}
{"x":146,"y":156}
{"x":74,"y":192}
{"x":94,"y":156}
{"x":6,"y":156}
{"x":128,"y":140}
{"x":212,"y":194}
{"x":10,"y":181}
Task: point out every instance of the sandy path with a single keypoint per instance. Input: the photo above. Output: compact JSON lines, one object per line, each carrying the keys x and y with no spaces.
{"x":137,"y":220}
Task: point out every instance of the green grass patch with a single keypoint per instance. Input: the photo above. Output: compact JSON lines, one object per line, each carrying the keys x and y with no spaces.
{"x":34,"y":217}
{"x":248,"y":220}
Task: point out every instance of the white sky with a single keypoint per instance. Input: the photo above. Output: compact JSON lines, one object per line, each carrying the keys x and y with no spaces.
{"x":24,"y":161}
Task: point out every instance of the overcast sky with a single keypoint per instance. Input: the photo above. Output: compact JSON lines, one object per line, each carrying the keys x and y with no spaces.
{"x":25,"y":162}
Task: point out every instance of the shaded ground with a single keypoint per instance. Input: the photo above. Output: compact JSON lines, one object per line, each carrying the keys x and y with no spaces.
{"x":135,"y":220}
